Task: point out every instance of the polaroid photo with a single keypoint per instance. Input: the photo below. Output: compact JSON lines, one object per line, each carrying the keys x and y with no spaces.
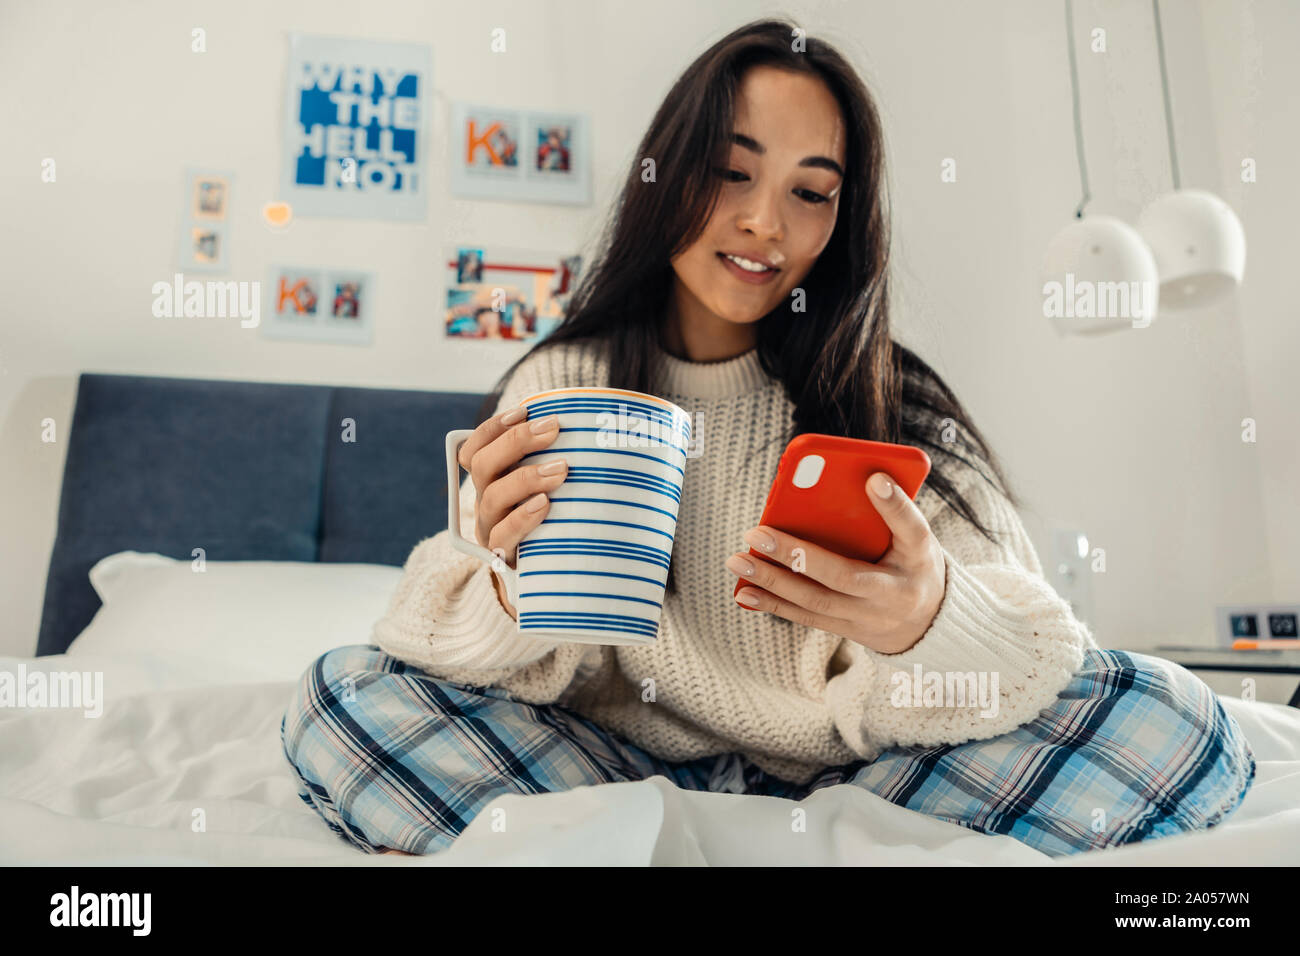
{"x":349,"y":304}
{"x":489,"y":143}
{"x":207,"y":246}
{"x":552,"y":153}
{"x":469,"y":265}
{"x":209,"y":197}
{"x":295,"y":295}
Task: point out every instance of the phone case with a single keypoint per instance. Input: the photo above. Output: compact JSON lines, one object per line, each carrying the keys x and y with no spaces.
{"x":836,"y":512}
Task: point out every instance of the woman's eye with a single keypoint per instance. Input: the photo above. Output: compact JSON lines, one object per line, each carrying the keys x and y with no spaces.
{"x":807,"y":195}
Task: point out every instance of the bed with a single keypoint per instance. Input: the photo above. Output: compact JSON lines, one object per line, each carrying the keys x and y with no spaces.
{"x":215,"y":537}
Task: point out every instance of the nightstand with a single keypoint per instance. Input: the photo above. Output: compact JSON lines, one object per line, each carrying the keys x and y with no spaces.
{"x":1225,"y":659}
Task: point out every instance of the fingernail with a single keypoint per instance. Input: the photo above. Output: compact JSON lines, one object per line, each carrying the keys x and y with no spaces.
{"x":553,"y":467}
{"x":882,"y":485}
{"x":514,"y":415}
{"x":534,"y":504}
{"x":544,"y":424}
{"x":737,"y":564}
{"x":761,"y":540}
{"x":748,"y":597}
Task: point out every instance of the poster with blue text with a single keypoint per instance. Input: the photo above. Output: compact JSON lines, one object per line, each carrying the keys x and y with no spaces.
{"x":357,"y":128}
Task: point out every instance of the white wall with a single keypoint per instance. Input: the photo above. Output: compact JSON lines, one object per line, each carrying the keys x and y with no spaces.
{"x":1255,"y":102}
{"x":1133,"y":438}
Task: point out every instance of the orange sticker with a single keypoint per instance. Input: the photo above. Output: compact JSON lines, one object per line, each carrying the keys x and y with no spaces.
{"x":277,"y":214}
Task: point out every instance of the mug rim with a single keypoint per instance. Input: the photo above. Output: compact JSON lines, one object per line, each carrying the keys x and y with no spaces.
{"x":667,"y":405}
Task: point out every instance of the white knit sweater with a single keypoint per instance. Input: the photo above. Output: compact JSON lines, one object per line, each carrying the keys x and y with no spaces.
{"x":721,"y":678}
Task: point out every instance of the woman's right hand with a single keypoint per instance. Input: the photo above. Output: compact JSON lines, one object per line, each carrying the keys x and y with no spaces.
{"x":511,"y":501}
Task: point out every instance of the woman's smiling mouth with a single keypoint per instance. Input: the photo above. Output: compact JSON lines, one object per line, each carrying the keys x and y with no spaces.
{"x":753,"y":271}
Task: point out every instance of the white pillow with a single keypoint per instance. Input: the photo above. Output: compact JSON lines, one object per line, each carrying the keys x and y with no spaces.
{"x":235,"y":621}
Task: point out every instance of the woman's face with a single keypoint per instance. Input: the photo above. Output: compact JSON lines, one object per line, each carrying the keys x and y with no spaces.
{"x":776,"y":208}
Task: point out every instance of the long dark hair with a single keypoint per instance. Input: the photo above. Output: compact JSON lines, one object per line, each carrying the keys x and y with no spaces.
{"x":839,"y":366}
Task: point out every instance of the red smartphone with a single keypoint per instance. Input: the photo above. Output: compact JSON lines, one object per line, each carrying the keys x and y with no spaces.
{"x":820,"y":493}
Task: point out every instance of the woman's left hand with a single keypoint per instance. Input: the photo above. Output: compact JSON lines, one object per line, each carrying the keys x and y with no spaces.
{"x":886,"y":606}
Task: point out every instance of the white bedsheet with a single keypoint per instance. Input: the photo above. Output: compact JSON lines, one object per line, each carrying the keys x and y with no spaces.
{"x":123,"y":788}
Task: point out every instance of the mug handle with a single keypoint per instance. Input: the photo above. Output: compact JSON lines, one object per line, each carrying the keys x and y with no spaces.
{"x":458,"y":540}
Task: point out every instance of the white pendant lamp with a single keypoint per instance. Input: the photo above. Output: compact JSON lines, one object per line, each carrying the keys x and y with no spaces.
{"x":1197,"y":239}
{"x":1099,"y":274}
{"x":1199,"y":247}
{"x":1102,"y":275}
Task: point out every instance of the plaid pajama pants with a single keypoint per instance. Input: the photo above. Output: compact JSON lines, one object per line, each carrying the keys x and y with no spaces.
{"x":1134,"y":748}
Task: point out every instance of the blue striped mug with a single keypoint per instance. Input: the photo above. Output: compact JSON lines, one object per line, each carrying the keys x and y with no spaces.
{"x":594,"y":570}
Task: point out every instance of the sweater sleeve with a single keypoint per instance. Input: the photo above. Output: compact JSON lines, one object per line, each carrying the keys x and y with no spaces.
{"x":999,"y":620}
{"x":445,"y":616}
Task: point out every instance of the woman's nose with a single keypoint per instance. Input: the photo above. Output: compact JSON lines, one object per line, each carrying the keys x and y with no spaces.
{"x":761,"y":218}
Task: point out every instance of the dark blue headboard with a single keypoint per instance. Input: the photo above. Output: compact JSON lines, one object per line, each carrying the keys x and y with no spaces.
{"x":246,"y":471}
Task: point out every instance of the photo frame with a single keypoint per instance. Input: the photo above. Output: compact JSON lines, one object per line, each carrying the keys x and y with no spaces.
{"x":528,"y":156}
{"x":312,"y":304}
{"x":205,"y":221}
{"x":502,"y":294}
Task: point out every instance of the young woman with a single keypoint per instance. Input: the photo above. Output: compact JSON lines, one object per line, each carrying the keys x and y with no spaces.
{"x":744,"y":277}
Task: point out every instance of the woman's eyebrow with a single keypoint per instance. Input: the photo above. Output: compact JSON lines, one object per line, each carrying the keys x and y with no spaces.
{"x":817,"y":162}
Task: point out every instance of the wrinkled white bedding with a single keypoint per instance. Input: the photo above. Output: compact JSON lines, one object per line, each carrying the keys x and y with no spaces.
{"x":123,"y":789}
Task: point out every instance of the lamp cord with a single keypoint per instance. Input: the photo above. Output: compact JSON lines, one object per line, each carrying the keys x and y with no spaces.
{"x":1164,"y":85}
{"x":1078,"y":124}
